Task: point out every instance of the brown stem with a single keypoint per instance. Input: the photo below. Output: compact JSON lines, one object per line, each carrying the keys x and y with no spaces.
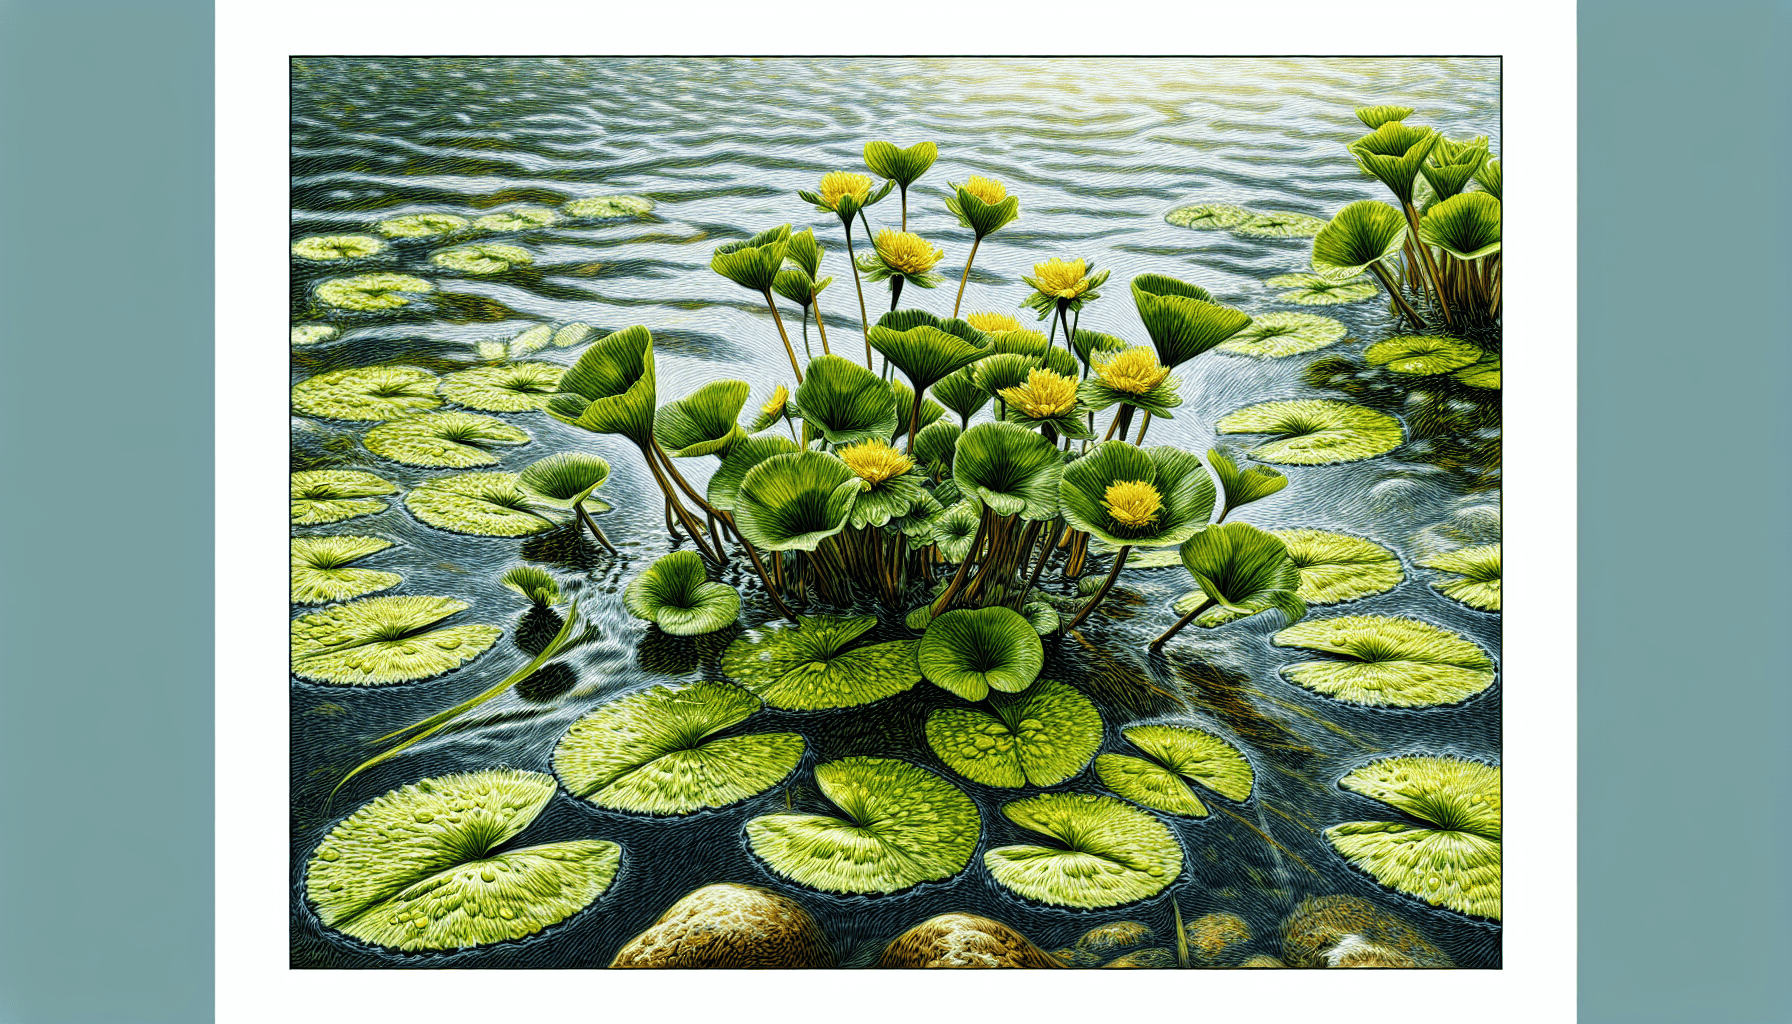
{"x":951,"y":591}
{"x":585,"y":517}
{"x":1157,"y":644}
{"x":1394,"y":291}
{"x":1045,"y":554}
{"x":967,"y":274}
{"x":763,"y":578}
{"x":1142,"y":428}
{"x":788,"y":349}
{"x":677,"y":507}
{"x":1412,"y":218}
{"x":1106,"y":585}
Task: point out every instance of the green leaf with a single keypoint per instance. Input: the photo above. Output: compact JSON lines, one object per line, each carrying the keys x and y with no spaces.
{"x":416,"y":869}
{"x":381,"y":640}
{"x":651,"y":751}
{"x":611,"y":389}
{"x":755,"y":262}
{"x":534,"y":583}
{"x":704,"y":421}
{"x":1279,"y":225}
{"x":879,"y":503}
{"x":1244,"y":570}
{"x":846,"y":402}
{"x":1242,"y":487}
{"x":1490,"y":177}
{"x":1421,"y":354}
{"x":370,"y":292}
{"x":899,"y":826}
{"x":1038,"y":738}
{"x":724,"y":483}
{"x":607,"y":207}
{"x":675,"y":594}
{"x":1184,"y":492}
{"x":523,"y":218}
{"x":1315,"y":432}
{"x":1456,"y":863}
{"x":902,"y":166}
{"x":980,"y":218}
{"x":1336,"y":567}
{"x":924,"y":354}
{"x":810,"y":668}
{"x":564,"y":478}
{"x":1090,"y":344}
{"x":1272,"y":335}
{"x":1029,"y":344}
{"x":1313,"y":290}
{"x":1149,"y":784}
{"x":1359,"y":235}
{"x":366,"y":393}
{"x":1393,"y":153}
{"x":1375,"y":117}
{"x":961,"y":393}
{"x":1181,"y":318}
{"x":482,"y":504}
{"x":1181,"y":757}
{"x":1451,"y":166}
{"x":955,"y":528}
{"x":1108,"y":853}
{"x":1387,"y":662}
{"x":330,"y":495}
{"x":1477,"y":570}
{"x":421,"y":225}
{"x":936,"y":446}
{"x":1009,"y":468}
{"x":509,"y":387}
{"x":999,"y":372}
{"x":1485,"y":374}
{"x":313,"y":334}
{"x":482,"y":258}
{"x":794,"y":502}
{"x":1208,"y":216}
{"x":320,"y":571}
{"x":1465,"y":226}
{"x":336,"y":247}
{"x":970,"y":651}
{"x":452,"y":439}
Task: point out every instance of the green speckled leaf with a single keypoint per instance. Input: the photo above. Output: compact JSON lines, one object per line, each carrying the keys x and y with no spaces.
{"x":1481,"y":375}
{"x":1108,"y":853}
{"x":455,"y":440}
{"x":1038,"y":738}
{"x":899,"y":826}
{"x":509,"y":387}
{"x":523,"y":218}
{"x":330,"y":495}
{"x":1271,"y":335}
{"x":1454,"y":864}
{"x":484,"y":504}
{"x":1208,"y":216}
{"x":369,"y":292}
{"x":421,"y":225}
{"x":1313,"y":290}
{"x":313,"y":334}
{"x":1422,"y":354}
{"x":650,"y":752}
{"x":1477,"y":570}
{"x":1149,"y":785}
{"x":1279,"y":225}
{"x":607,"y":207}
{"x":1196,"y":756}
{"x":1387,"y":662}
{"x":810,"y":667}
{"x":1315,"y":432}
{"x":336,"y":247}
{"x":366,"y":393}
{"x":482,"y":258}
{"x":321,"y":570}
{"x":382,"y":640}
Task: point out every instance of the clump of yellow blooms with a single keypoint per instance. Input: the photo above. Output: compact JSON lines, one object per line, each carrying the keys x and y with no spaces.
{"x":905,"y":251}
{"x":1133,"y":503}
{"x":1061,"y":279}
{"x":1133,"y":370}
{"x":992,"y":322}
{"x":874,"y":461}
{"x":1043,"y":396}
{"x":836,"y":185}
{"x":990,"y":192}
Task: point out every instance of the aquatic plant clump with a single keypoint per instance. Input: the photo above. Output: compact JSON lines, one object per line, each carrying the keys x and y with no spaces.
{"x":380,"y":640}
{"x":421,"y":225}
{"x":1422,"y":354}
{"x":523,"y":218}
{"x":816,"y":665}
{"x":1454,"y":863}
{"x":1313,"y":290}
{"x":313,"y":334}
{"x":1477,"y":572}
{"x":1108,"y":853}
{"x":1387,"y":662}
{"x":608,"y":207}
{"x":1273,"y":335}
{"x":369,"y":393}
{"x":483,"y":258}
{"x":336,"y":247}
{"x":1208,"y":216}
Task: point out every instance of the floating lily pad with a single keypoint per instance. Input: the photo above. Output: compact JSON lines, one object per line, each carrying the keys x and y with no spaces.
{"x":1422,"y":354}
{"x":810,"y":667}
{"x":456,"y":440}
{"x":510,"y":387}
{"x":321,"y":570}
{"x":676,"y":594}
{"x":484,"y":504}
{"x":1315,"y":432}
{"x":421,"y":225}
{"x":1109,"y":853}
{"x":369,"y":292}
{"x":1481,"y":375}
{"x":1478,"y":576}
{"x":1387,"y":662}
{"x":1180,"y":756}
{"x":1208,"y":216}
{"x":414,"y":869}
{"x":482,"y":258}
{"x":366,"y":393}
{"x":523,"y":218}
{"x":1279,"y":225}
{"x":1037,"y":738}
{"x":1271,"y":335}
{"x":650,"y":752}
{"x":1313,"y":290}
{"x":381,"y":640}
{"x":336,"y":247}
{"x":899,"y":826}
{"x":330,"y":495}
{"x":313,"y":334}
{"x":1456,"y":862}
{"x":607,"y":207}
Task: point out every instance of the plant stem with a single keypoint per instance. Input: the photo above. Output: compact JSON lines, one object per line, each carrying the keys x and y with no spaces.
{"x":896,"y":290}
{"x":913,"y":421}
{"x":807,"y":352}
{"x":788,"y":348}
{"x":823,"y":328}
{"x":1412,"y":218}
{"x":1045,"y":554}
{"x":585,"y":517}
{"x":1143,"y":426}
{"x":967,"y":274}
{"x":864,"y":321}
{"x":677,"y":507}
{"x":763,"y":578}
{"x":1106,"y":585}
{"x":1394,"y":292}
{"x":904,"y":189}
{"x":1158,"y":644}
{"x":951,"y":591}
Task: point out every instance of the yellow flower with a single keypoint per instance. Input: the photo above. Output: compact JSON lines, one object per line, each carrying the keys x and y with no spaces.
{"x":775,"y":407}
{"x":1060,"y":279}
{"x":1043,"y":396}
{"x":904,"y":251}
{"x":1133,"y":503}
{"x":836,"y":185}
{"x":1133,"y":370}
{"x":875,"y":461}
{"x":991,"y":192}
{"x":992,"y":322}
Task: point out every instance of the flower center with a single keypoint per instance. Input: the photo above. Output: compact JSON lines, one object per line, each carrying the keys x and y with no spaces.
{"x":1133,"y":503}
{"x":992,"y":322}
{"x":1064,"y":280}
{"x":991,"y":192}
{"x":906,"y":252}
{"x":1043,"y":396}
{"x":1133,"y":370}
{"x":874,"y":461}
{"x":836,"y":185}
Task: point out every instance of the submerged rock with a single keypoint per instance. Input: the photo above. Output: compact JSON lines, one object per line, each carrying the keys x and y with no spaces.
{"x":1212,"y":937}
{"x":1144,"y":958}
{"x":964,"y":940}
{"x":729,"y":925}
{"x":1099,"y":945}
{"x":1324,"y":930}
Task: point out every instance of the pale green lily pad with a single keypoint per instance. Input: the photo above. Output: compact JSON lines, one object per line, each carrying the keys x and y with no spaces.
{"x":484,"y":504}
{"x":482,"y":258}
{"x":574,"y":334}
{"x":381,"y":640}
{"x":1037,"y":738}
{"x":1272,"y":335}
{"x":676,"y":594}
{"x":1422,"y":354}
{"x":321,"y":570}
{"x":1109,"y":853}
{"x":1315,"y":432}
{"x":900,"y":825}
{"x":1481,"y":375}
{"x":366,"y":393}
{"x":1477,"y":582}
{"x":1456,"y":862}
{"x":1387,"y":662}
{"x":532,"y":340}
{"x":810,"y":667}
{"x":651,"y":752}
{"x":1181,"y":758}
{"x":509,"y":387}
{"x":1279,"y":225}
{"x":336,"y":247}
{"x":331,"y":495}
{"x":1313,"y":290}
{"x":608,"y":207}
{"x":414,"y":869}
{"x":370,"y":292}
{"x":523,"y":218}
{"x":455,"y":440}
{"x":1208,"y":216}
{"x":313,"y":334}
{"x":421,"y":225}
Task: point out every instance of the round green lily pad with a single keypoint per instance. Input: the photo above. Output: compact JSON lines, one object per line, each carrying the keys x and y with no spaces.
{"x":379,"y":640}
{"x":321,"y":571}
{"x":1477,"y":572}
{"x":1456,"y":862}
{"x":1481,"y":375}
{"x":456,"y":440}
{"x":482,"y":258}
{"x":313,"y":334}
{"x":509,"y":387}
{"x":1271,"y":335}
{"x":1180,"y":758}
{"x":811,"y":667}
{"x":484,"y":504}
{"x":899,"y":826}
{"x":421,"y":225}
{"x":330,"y":495}
{"x":1208,"y":216}
{"x":1387,"y":662}
{"x":523,"y":218}
{"x":370,"y":292}
{"x":1279,"y":225}
{"x":1313,"y":290}
{"x":651,"y":752}
{"x":1315,"y":432}
{"x":1107,"y":853}
{"x":1422,"y":354}
{"x":1037,"y":738}
{"x":1336,"y":567}
{"x":336,"y":247}
{"x":415,"y":869}
{"x":366,"y":393}
{"x":606,"y":207}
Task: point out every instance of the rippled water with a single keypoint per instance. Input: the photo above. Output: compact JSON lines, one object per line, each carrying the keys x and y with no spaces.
{"x":1098,"y":151}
